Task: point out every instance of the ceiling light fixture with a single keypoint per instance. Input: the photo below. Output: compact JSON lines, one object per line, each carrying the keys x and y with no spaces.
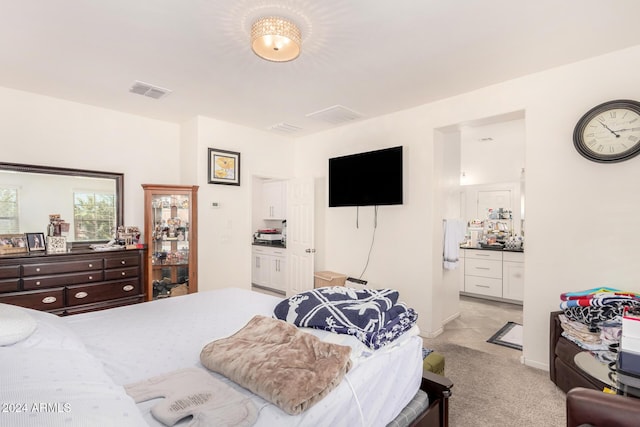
{"x":275,"y":39}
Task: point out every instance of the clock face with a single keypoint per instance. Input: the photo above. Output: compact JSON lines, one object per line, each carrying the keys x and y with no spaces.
{"x":609,"y":132}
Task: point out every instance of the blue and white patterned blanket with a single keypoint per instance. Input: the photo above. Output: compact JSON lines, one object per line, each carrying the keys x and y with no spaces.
{"x":373,"y":316}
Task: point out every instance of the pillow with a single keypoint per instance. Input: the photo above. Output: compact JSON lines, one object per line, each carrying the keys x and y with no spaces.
{"x":15,"y":324}
{"x":52,"y":332}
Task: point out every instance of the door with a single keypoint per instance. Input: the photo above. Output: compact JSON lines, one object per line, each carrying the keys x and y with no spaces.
{"x":300,"y":234}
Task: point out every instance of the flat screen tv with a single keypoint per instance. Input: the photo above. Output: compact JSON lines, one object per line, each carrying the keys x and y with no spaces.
{"x":366,"y":179}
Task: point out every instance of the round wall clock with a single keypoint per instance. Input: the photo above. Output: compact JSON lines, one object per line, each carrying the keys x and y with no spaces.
{"x":609,"y":132}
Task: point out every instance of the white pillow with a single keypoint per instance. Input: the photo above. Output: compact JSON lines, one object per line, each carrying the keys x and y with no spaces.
{"x":15,"y":324}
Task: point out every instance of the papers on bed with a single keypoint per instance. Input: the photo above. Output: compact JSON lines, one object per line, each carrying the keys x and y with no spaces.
{"x":375,"y":317}
{"x":194,"y":392}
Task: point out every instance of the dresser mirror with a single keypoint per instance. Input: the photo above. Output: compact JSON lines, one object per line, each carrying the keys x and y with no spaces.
{"x":91,"y":202}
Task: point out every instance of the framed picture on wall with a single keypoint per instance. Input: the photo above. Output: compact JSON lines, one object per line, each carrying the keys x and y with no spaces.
{"x":224,"y":167}
{"x":35,"y":242}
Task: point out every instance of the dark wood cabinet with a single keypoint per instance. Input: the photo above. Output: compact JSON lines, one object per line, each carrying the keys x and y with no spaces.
{"x":75,"y":282}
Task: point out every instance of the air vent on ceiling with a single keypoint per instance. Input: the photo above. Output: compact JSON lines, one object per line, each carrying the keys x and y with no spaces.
{"x":335,"y":115}
{"x":285,"y":128}
{"x":146,"y":89}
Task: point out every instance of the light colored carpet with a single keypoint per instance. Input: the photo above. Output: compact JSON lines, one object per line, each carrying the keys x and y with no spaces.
{"x":492,"y":390}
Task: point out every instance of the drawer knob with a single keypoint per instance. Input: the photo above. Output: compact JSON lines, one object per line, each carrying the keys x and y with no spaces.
{"x":90,"y":265}
{"x":38,"y":269}
{"x":49,"y":300}
{"x":123,"y":262}
{"x":38,"y":283}
{"x":81,"y":295}
{"x":90,"y":277}
{"x":127,"y":288}
{"x":123,"y":273}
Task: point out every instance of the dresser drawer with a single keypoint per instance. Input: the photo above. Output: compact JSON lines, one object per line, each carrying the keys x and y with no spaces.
{"x":61,"y":267}
{"x":9,"y":285}
{"x":86,"y":294}
{"x":123,"y":261}
{"x":483,"y":268}
{"x":48,"y":299}
{"x":483,"y":286}
{"x":483,"y":254}
{"x":62,"y":280}
{"x":121,"y":273}
{"x":9,"y":271}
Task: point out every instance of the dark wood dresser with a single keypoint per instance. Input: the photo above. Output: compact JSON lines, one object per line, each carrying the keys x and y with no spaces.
{"x":75,"y":282}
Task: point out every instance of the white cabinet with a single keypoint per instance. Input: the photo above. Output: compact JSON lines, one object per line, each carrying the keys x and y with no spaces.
{"x":483,"y":272}
{"x":461,"y":269}
{"x":268,"y":267}
{"x":274,"y":200}
{"x":498,"y":274}
{"x":513,"y":275}
{"x":259,"y":268}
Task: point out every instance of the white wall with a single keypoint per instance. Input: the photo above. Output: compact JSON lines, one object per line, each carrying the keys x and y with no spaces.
{"x":582,"y":222}
{"x":498,"y":160}
{"x":402,"y":254}
{"x":225,"y":233}
{"x":46,"y":131}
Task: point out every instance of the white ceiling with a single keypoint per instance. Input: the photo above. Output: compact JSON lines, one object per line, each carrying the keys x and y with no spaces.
{"x":370,"y":56}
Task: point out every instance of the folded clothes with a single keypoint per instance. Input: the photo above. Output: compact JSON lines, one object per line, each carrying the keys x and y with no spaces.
{"x":595,"y":293}
{"x":372,"y":316}
{"x":597,"y":305}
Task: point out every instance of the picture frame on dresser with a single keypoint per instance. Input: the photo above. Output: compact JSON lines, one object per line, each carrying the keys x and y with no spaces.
{"x":35,"y":242}
{"x":12,"y":244}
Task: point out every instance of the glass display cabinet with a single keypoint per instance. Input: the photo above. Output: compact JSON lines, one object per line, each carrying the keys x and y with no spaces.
{"x":170,"y":228}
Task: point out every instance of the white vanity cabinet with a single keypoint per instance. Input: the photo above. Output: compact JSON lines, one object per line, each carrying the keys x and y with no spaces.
{"x":494,"y":274}
{"x":268,"y":268}
{"x":483,"y":272}
{"x":513,"y":275}
{"x":274,"y":200}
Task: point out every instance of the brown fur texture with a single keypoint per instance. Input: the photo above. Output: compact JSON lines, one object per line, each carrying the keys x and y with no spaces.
{"x":278,"y":362}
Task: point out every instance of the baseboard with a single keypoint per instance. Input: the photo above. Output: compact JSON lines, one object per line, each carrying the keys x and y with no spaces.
{"x":534,"y":364}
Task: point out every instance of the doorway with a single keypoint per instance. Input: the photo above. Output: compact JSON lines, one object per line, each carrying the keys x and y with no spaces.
{"x":481,"y":164}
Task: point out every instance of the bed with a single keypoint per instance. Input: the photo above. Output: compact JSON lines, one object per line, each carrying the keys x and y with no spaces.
{"x":73,"y":370}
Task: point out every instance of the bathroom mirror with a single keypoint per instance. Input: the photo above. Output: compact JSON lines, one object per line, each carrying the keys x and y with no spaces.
{"x":91,"y":202}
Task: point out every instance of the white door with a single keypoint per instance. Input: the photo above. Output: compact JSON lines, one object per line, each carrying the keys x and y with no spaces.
{"x":300,"y":238}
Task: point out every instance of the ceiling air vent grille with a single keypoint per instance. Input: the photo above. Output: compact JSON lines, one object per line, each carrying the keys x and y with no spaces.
{"x":146,"y":89}
{"x":335,"y":115}
{"x":285,"y":128}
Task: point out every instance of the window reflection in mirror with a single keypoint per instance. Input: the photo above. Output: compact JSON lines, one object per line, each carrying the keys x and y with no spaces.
{"x":89,"y":201}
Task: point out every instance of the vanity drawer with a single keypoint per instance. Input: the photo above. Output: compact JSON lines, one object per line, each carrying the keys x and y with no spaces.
{"x":9,"y":285}
{"x":62,"y":280}
{"x":86,"y":294}
{"x":483,"y":286}
{"x":61,"y":267}
{"x":483,"y":268}
{"x":48,"y":299}
{"x":9,"y":271}
{"x":123,"y":261}
{"x":483,"y":254}
{"x":121,"y":273}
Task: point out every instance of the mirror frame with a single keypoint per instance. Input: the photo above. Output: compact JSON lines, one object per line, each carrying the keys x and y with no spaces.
{"x":52,"y":170}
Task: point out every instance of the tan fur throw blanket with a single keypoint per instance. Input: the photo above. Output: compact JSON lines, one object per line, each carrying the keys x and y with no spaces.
{"x":278,"y":362}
